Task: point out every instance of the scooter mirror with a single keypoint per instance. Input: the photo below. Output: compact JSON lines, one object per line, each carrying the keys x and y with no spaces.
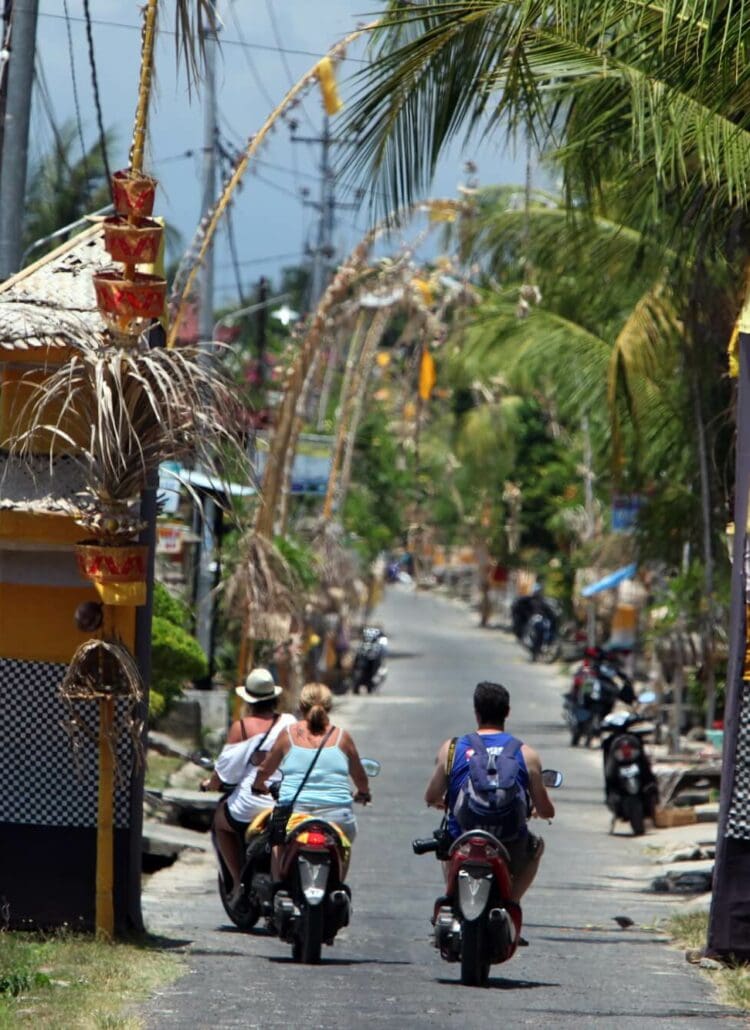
{"x":552,"y":778}
{"x":371,"y":766}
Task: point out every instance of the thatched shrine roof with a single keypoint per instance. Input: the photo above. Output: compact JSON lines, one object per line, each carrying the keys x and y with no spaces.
{"x":51,"y":304}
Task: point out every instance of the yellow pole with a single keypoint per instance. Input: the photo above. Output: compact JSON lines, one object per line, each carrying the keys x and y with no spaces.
{"x":105,"y":913}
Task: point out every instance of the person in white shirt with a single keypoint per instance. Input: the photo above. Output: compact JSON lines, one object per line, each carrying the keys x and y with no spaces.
{"x":249,"y":740}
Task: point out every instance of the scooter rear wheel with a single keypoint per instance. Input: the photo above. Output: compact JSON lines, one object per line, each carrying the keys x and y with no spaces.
{"x":244,"y":915}
{"x":475,"y":967}
{"x":308,"y":946}
{"x":634,"y":814}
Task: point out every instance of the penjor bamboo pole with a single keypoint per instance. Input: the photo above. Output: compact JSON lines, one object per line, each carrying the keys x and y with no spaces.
{"x":105,"y":909}
{"x":345,"y":405}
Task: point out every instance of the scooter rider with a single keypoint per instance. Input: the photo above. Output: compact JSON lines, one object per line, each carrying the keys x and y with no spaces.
{"x":491,"y":709}
{"x":249,"y":741}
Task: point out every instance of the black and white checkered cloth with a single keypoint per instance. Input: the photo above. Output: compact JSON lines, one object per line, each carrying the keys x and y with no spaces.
{"x":738,"y":821}
{"x":40,"y":782}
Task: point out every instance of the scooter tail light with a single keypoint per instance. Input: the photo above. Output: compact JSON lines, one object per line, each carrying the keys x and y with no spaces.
{"x":313,"y":838}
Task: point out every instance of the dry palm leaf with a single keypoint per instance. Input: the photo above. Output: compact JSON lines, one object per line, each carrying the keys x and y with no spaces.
{"x":119,"y":413}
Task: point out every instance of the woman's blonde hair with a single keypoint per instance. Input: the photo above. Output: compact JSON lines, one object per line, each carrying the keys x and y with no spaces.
{"x":315,"y":703}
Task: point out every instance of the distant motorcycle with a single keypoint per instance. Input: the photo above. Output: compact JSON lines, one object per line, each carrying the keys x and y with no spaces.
{"x":535,"y":622}
{"x":630,"y":785}
{"x":475,"y":922}
{"x":369,"y":669}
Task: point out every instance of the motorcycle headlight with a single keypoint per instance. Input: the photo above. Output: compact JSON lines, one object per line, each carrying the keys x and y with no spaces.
{"x":473,"y":893}
{"x":313,"y":878}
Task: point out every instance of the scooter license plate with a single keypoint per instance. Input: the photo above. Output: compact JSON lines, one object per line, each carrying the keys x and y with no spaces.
{"x":629,"y":771}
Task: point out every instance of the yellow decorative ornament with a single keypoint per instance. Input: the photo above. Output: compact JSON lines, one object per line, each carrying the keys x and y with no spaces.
{"x":332,"y":101}
{"x":383,"y":358}
{"x":733,"y":352}
{"x":424,"y":289}
{"x":443,"y":211}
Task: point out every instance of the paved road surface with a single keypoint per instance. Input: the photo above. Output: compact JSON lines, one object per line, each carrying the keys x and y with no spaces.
{"x":580,"y":970}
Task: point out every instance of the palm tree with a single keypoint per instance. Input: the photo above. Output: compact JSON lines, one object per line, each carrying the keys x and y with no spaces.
{"x":650,"y":95}
{"x":63,"y":189}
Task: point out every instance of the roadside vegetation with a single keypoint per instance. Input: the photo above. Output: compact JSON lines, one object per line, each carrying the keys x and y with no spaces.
{"x":733,"y":982}
{"x":77,"y":982}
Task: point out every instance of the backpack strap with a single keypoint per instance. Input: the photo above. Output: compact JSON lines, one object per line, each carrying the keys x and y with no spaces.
{"x":512,"y":748}
{"x":451,"y":755}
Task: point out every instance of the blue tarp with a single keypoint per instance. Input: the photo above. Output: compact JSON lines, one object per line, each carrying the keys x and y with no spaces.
{"x":627,"y":572}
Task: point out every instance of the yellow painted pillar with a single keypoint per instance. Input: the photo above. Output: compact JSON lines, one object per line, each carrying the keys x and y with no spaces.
{"x":105,"y":909}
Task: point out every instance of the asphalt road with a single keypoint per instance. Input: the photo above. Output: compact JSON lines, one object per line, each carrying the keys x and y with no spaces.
{"x":580,"y":970}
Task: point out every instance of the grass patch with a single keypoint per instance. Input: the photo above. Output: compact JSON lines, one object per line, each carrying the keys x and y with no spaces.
{"x":689,"y":931}
{"x":76,"y":981}
{"x":159,"y":768}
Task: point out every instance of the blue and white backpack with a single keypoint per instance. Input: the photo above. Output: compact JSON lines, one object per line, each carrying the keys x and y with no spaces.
{"x":492,"y":796}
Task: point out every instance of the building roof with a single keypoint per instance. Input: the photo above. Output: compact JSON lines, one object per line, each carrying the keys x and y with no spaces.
{"x":52,"y":302}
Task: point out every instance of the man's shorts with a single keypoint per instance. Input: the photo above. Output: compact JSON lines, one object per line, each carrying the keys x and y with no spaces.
{"x":522,"y":851}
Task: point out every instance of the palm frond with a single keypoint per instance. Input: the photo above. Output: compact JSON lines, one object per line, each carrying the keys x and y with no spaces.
{"x":120,"y":412}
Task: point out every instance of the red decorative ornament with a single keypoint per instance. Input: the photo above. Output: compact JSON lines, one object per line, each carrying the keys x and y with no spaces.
{"x":132,"y":243}
{"x":133,"y":194}
{"x":127,"y":302}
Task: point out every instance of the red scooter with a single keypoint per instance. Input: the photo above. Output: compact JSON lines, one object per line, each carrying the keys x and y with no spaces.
{"x":476,"y":923}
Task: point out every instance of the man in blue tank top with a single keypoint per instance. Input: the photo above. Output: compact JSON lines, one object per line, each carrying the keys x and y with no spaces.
{"x":491,"y":708}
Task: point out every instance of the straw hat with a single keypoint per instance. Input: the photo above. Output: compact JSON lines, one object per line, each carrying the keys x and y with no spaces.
{"x":259,"y":686}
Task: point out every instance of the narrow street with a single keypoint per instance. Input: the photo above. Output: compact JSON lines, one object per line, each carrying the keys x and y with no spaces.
{"x":580,"y":970}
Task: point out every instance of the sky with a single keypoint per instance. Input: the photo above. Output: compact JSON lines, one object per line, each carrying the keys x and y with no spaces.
{"x":266,"y":44}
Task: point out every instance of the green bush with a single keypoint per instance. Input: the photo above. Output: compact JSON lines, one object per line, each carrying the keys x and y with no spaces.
{"x":170,"y":608}
{"x":176,"y":657}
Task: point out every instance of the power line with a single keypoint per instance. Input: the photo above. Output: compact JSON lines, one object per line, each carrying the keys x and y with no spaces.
{"x":224,"y":42}
{"x":284,"y":61}
{"x":95,"y":85}
{"x":76,"y":103}
{"x":250,"y":63}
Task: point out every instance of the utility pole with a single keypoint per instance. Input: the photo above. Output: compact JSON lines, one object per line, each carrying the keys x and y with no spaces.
{"x":326,"y":207}
{"x":15,"y":146}
{"x":588,"y":487}
{"x":205,"y":520}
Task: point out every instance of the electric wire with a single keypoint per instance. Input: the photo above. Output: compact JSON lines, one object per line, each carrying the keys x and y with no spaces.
{"x":258,"y":79}
{"x":266,"y":47}
{"x":76,"y":102}
{"x":46,"y":100}
{"x":97,"y":98}
{"x":284,"y":60}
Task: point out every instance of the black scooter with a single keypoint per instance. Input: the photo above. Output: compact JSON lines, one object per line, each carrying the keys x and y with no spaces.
{"x":630,"y":786}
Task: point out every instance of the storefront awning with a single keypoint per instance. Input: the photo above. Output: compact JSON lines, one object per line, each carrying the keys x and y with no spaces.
{"x":626,"y":572}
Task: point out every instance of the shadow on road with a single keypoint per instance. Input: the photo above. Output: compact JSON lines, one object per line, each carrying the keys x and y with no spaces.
{"x":287,"y":960}
{"x":503,"y":983}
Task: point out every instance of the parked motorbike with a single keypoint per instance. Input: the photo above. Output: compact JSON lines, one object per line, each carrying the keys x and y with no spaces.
{"x":369,"y":670}
{"x":475,"y":922}
{"x":310,"y":903}
{"x":629,"y":782}
{"x":598,"y":683}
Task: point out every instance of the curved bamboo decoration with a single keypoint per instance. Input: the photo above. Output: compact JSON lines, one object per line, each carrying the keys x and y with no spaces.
{"x":241,"y":167}
{"x":148,"y":41}
{"x":364,"y":371}
{"x":355,"y":350}
{"x":265,"y":517}
{"x":291,"y":451}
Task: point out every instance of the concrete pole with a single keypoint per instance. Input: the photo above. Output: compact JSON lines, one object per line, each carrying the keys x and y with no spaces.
{"x":15,"y":153}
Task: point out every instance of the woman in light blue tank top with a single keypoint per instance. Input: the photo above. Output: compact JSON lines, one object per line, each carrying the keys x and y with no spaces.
{"x":327,"y":791}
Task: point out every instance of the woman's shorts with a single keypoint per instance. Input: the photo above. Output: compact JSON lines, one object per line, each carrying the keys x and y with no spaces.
{"x":343,"y":816}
